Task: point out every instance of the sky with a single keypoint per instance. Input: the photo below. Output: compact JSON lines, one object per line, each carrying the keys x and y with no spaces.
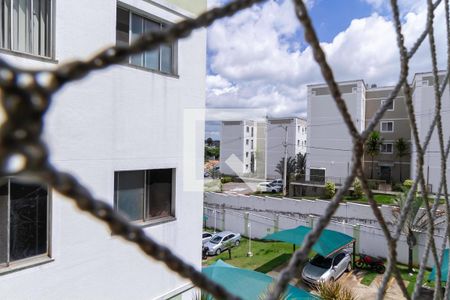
{"x":258,"y":60}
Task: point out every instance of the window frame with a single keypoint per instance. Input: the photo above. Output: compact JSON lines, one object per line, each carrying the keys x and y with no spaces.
{"x":144,"y":220}
{"x":36,"y":260}
{"x":51,"y":35}
{"x":147,"y":16}
{"x":387,"y":122}
{"x":393,"y":105}
{"x":387,"y":152}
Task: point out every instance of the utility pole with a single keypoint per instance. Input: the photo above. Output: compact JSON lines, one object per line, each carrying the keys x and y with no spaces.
{"x":285,"y":144}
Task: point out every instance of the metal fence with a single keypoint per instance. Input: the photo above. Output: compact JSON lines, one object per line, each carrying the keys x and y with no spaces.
{"x":26,"y":96}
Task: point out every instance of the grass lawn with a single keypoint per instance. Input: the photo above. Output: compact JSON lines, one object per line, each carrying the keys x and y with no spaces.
{"x":370,"y":276}
{"x":379,"y":198}
{"x":266,"y":255}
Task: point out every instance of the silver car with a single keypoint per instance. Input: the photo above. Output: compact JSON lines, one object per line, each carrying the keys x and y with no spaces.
{"x":327,"y":269}
{"x":206,"y":236}
{"x":222,"y":241}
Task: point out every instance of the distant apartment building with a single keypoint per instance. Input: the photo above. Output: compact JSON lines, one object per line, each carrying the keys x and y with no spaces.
{"x":284,"y":134}
{"x":424,"y":109}
{"x":389,"y":165}
{"x":330,"y":144}
{"x":329,"y":151}
{"x":122,"y":133}
{"x":238,"y":147}
{"x":250,"y":148}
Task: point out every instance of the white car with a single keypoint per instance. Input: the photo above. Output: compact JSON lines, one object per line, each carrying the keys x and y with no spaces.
{"x":266,"y":187}
{"x":277,"y":182}
{"x":320,"y":269}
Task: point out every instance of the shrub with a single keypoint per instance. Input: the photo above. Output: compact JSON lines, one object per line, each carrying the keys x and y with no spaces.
{"x":330,"y":190}
{"x":357,"y":189}
{"x":398,"y":187}
{"x":226,"y":179}
{"x":408,"y":183}
{"x":332,"y":290}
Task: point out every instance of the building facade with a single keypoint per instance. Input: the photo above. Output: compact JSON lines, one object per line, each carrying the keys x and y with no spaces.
{"x":238,"y":148}
{"x":329,"y":150}
{"x":128,"y":133}
{"x":284,"y":134}
{"x":254,"y":149}
{"x":424,"y":109}
{"x":390,"y":165}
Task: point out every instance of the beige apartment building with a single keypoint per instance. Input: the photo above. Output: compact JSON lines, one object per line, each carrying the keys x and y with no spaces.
{"x":390,"y":165}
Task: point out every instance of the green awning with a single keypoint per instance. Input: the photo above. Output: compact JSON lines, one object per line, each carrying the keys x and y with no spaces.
{"x":247,"y":284}
{"x":329,"y":241}
{"x":444,"y":269}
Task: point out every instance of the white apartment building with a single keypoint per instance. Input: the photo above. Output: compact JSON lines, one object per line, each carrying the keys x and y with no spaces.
{"x":424,"y":108}
{"x":237,"y":147}
{"x":250,"y":148}
{"x":284,"y":133}
{"x":127,"y":133}
{"x":329,"y":142}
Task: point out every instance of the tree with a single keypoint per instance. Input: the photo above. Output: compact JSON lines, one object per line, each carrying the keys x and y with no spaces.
{"x":373,"y":145}
{"x":209,"y":141}
{"x":401,"y":149}
{"x":301,"y":165}
{"x":291,"y":167}
{"x":416,"y":221}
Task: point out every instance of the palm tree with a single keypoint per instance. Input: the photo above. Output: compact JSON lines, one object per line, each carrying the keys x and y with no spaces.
{"x":416,"y":221}
{"x":373,"y":145}
{"x":291,"y":167}
{"x":301,"y":165}
{"x":401,"y":149}
{"x":209,"y":141}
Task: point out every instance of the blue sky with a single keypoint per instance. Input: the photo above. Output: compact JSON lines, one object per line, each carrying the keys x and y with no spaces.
{"x":258,"y":59}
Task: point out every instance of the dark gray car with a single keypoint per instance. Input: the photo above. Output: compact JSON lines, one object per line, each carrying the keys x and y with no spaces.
{"x":222,"y":241}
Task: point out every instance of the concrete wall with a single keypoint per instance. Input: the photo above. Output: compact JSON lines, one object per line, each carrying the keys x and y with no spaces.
{"x":120,"y":118}
{"x":329,"y":142}
{"x":369,"y":237}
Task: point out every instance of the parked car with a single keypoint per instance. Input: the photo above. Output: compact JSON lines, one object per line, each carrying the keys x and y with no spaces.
{"x":206,"y":237}
{"x":222,"y":241}
{"x":267,"y":187}
{"x":327,"y":268}
{"x":206,"y":174}
{"x":277,"y":182}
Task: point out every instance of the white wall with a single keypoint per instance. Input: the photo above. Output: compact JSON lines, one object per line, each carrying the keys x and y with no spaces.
{"x":229,"y":212}
{"x":329,"y":141}
{"x":117,"y":119}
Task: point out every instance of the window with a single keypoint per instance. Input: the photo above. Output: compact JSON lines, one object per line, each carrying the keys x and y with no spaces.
{"x":246,"y":154}
{"x":251,"y":144}
{"x":24,"y":223}
{"x":390,"y":107}
{"x":298,"y":143}
{"x":246,"y":167}
{"x":248,"y":129}
{"x":387,"y":126}
{"x":25,"y":26}
{"x":144,"y":195}
{"x":129,"y":27}
{"x":252,"y":131}
{"x":386,"y":148}
{"x":246,"y":141}
{"x":298,"y":128}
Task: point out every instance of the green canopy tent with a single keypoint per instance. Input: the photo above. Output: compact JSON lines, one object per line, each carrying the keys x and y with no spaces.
{"x":329,"y":242}
{"x":247,"y":284}
{"x":444,"y":269}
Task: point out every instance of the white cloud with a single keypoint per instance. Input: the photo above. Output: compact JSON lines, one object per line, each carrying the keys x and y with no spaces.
{"x":258,"y":64}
